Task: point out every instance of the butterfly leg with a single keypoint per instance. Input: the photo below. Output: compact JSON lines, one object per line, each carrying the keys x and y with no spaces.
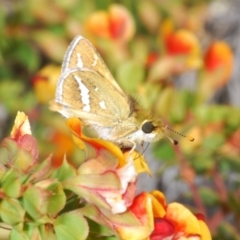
{"x":132,"y":149}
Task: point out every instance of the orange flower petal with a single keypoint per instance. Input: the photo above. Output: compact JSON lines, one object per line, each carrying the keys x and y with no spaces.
{"x":98,"y":24}
{"x":76,"y":128}
{"x":167,"y":27}
{"x":184,"y":42}
{"x":63,"y":144}
{"x":116,"y":24}
{"x":219,"y":56}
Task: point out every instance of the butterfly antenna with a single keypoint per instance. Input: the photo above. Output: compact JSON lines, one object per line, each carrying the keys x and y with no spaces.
{"x":191,"y":139}
{"x":173,"y":141}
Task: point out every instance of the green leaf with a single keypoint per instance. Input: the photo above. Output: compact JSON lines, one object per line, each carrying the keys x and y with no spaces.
{"x":107,"y":181}
{"x":202,"y":162}
{"x":25,"y":55}
{"x":24,"y":160}
{"x":213,"y":141}
{"x":11,"y":211}
{"x":209,"y":196}
{"x":35,"y":202}
{"x":9,"y":93}
{"x":11,"y":184}
{"x":65,"y":172}
{"x":15,"y":235}
{"x":71,"y":226}
{"x":178,"y":109}
{"x":233,"y":203}
{"x":3,"y":155}
{"x":129,"y":75}
{"x":98,"y":229}
{"x":3,"y":170}
{"x":47,"y":232}
{"x":32,"y":232}
{"x":87,"y":186}
{"x":57,"y":199}
{"x":227,"y":231}
{"x":164,"y":151}
{"x":42,"y":171}
{"x":93,"y":237}
{"x":149,"y":96}
{"x":8,"y":150}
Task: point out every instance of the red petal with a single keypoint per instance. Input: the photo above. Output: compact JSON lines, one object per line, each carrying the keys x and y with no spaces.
{"x":162,"y":229}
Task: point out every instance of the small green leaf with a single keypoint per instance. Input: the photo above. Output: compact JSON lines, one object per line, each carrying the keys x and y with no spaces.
{"x":57,"y":199}
{"x":66,"y":171}
{"x":11,"y":184}
{"x":233,"y":203}
{"x":42,"y":171}
{"x":3,"y":155}
{"x":98,"y":229}
{"x":23,"y":160}
{"x":202,"y":162}
{"x":15,"y":235}
{"x":94,"y":237}
{"x":11,"y":211}
{"x":164,"y":151}
{"x":178,"y":109}
{"x":47,"y":232}
{"x":214,"y":141}
{"x":3,"y":170}
{"x":104,"y":182}
{"x":35,"y":202}
{"x":32,"y":232}
{"x":209,"y":196}
{"x":71,"y":226}
{"x":130,"y":74}
{"x":8,"y":150}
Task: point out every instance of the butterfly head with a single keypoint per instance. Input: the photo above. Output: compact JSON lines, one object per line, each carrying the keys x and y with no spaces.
{"x":152,"y":130}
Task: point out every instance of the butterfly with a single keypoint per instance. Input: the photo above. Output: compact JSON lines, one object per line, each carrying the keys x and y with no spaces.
{"x":87,"y":90}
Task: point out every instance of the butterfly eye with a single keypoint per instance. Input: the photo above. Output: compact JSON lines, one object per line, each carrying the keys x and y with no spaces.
{"x":147,"y":127}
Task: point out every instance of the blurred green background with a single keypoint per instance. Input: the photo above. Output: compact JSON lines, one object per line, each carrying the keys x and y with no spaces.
{"x":180,"y":58}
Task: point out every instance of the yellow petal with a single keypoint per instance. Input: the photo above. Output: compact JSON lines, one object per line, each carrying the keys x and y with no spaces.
{"x":205,"y":233}
{"x":21,"y":126}
{"x":158,"y":204}
{"x":184,"y":220}
{"x":139,"y":161}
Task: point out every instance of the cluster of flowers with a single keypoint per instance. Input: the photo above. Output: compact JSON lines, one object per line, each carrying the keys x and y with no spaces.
{"x":35,"y":197}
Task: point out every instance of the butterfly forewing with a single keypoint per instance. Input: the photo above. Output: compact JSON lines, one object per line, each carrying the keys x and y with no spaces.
{"x":82,"y":54}
{"x":82,"y":93}
{"x":86,"y":88}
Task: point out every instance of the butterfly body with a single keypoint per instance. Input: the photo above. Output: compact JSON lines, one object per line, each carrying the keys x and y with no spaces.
{"x":87,"y":90}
